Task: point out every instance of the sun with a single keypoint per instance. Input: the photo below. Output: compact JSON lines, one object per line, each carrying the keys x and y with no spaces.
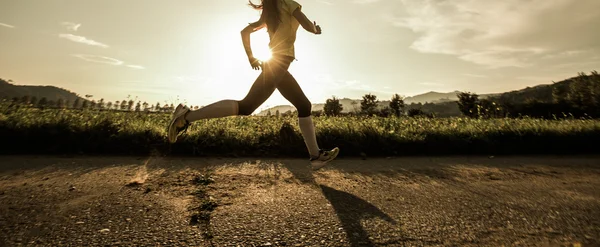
{"x":259,"y":41}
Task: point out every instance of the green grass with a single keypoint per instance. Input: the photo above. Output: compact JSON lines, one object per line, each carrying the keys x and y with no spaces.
{"x":35,"y":131}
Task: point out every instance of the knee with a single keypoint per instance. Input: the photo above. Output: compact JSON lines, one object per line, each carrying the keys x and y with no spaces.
{"x":244,"y":109}
{"x":304,"y":109}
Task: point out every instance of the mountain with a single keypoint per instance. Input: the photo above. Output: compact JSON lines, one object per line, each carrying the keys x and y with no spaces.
{"x":544,"y":92}
{"x":435,"y":97}
{"x":350,"y":105}
{"x":51,"y":93}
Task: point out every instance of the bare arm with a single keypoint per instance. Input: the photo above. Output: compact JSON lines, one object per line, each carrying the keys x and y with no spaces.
{"x":251,"y":28}
{"x":309,"y":26}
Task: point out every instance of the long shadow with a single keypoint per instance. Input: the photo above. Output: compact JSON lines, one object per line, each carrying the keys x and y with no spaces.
{"x":349,"y":208}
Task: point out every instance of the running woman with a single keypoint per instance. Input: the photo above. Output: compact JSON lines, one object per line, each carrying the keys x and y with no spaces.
{"x":282,"y":19}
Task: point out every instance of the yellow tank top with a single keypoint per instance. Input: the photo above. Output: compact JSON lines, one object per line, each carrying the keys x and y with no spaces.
{"x":282,"y":41}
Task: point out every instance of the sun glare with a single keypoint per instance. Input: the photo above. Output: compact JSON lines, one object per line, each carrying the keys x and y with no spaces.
{"x":260,"y":45}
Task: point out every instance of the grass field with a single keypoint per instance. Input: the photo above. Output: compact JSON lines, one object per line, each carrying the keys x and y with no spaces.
{"x":35,"y":131}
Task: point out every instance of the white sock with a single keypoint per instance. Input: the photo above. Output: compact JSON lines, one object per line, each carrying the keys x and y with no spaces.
{"x":308,"y":132}
{"x":223,"y":108}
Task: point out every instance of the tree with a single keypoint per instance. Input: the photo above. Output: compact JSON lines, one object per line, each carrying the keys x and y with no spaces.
{"x":368,"y":105}
{"x":277,"y":113}
{"x":43,"y":102}
{"x":60,"y":103}
{"x":124,"y":105}
{"x":467,"y":103}
{"x":397,"y":105}
{"x":130,"y":105}
{"x":34,"y":101}
{"x":93,"y":104}
{"x":157,"y":106}
{"x":333,"y":107}
{"x":385,"y":112}
{"x":25,"y":100}
{"x":354,"y":107}
{"x":85,"y":104}
{"x":109,"y":105}
{"x":415,"y":112}
{"x":138,"y":106}
{"x":101,"y":103}
{"x":67,"y":103}
{"x":488,"y":109}
{"x":559,"y":92}
{"x":269,"y":113}
{"x":76,"y":103}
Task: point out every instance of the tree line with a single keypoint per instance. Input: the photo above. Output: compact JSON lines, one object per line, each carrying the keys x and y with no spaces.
{"x":578,"y":97}
{"x":119,"y":105}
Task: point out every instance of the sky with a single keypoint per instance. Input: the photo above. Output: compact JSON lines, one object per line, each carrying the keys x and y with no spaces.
{"x":191,"y":50}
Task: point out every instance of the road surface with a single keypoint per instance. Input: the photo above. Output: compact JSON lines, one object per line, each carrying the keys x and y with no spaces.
{"x":441,"y":201}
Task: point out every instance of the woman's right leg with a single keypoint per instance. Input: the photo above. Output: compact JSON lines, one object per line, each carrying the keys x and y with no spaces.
{"x":262,"y":88}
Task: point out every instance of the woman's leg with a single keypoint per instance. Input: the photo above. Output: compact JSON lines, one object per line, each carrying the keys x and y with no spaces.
{"x":261,"y":90}
{"x":289,"y":88}
{"x":273,"y":71}
{"x":223,"y":108}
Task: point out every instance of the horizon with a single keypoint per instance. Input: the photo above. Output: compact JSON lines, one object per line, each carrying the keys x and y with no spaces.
{"x":284,"y":103}
{"x":173,"y":50}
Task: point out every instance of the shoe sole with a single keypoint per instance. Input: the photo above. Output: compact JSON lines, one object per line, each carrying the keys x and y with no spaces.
{"x":173,"y":139}
{"x":325,"y":163}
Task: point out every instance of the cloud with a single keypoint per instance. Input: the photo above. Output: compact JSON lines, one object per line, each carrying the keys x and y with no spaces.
{"x":365,"y":1}
{"x":135,"y":66}
{"x":474,"y":75}
{"x":497,"y":34}
{"x":328,"y":83}
{"x":325,"y":2}
{"x":81,"y":39}
{"x":6,"y":25}
{"x":431,"y":84}
{"x":99,"y":59}
{"x":106,"y":60}
{"x":71,"y":26}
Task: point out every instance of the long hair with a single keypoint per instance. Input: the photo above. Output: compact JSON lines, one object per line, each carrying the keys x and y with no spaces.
{"x":270,"y":13}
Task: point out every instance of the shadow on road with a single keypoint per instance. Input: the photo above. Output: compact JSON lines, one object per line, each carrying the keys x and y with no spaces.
{"x":349,"y":208}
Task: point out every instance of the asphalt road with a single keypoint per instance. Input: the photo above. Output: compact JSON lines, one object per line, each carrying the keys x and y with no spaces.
{"x":442,"y":201}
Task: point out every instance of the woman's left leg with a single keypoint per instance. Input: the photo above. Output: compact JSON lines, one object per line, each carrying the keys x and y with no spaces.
{"x":290,"y":90}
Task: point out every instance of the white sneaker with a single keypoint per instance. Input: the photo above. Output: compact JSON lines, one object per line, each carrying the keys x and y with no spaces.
{"x":324,"y":158}
{"x":178,"y":122}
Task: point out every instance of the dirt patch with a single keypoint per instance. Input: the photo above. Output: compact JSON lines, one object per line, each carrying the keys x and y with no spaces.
{"x":121,"y":201}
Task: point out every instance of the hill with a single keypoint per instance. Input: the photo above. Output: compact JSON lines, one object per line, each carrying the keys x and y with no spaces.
{"x":436,"y":97}
{"x":542,"y":93}
{"x":442,"y":104}
{"x":351,"y":105}
{"x":51,"y":93}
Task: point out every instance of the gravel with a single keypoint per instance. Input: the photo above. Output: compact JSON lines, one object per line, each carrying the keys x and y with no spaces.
{"x":449,"y":201}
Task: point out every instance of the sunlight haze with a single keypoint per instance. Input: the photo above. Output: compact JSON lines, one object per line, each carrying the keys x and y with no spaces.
{"x":191,"y":50}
